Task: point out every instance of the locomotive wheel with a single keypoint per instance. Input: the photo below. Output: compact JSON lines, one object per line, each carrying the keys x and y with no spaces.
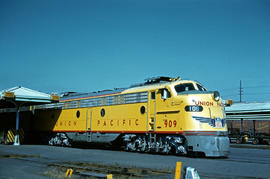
{"x":245,"y":139}
{"x":238,"y":141}
{"x":255,"y":141}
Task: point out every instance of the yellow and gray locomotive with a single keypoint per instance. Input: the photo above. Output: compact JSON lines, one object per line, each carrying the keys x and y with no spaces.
{"x":165,"y":115}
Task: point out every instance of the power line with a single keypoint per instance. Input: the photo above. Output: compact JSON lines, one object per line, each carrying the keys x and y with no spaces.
{"x":254,"y":94}
{"x":258,"y":86}
{"x":241,"y":91}
{"x":246,"y":87}
{"x":235,"y":88}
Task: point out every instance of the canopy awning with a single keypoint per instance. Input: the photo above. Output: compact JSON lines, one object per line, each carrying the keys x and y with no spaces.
{"x":19,"y":97}
{"x":248,"y":107}
{"x":22,"y":94}
{"x":248,"y":111}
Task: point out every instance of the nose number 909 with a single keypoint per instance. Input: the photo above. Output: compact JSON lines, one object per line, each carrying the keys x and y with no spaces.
{"x":170,"y":123}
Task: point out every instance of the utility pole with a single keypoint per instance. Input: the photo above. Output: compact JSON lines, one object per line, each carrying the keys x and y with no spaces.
{"x":241,"y":90}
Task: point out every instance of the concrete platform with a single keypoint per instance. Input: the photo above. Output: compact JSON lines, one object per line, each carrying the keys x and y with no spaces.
{"x":40,"y":161}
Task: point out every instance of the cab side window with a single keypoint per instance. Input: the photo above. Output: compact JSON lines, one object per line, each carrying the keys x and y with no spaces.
{"x":184,"y":87}
{"x":165,"y":93}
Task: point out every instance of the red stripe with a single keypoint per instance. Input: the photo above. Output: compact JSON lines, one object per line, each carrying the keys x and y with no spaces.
{"x":152,"y":132}
{"x":83,"y":131}
{"x":200,"y":131}
{"x":88,"y":97}
{"x":167,"y":132}
{"x":71,"y":131}
{"x":161,"y":132}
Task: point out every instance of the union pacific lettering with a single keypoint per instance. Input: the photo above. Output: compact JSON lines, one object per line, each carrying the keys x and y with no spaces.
{"x":117,"y":123}
{"x":204,"y":103}
{"x":66,"y":123}
{"x":207,"y":103}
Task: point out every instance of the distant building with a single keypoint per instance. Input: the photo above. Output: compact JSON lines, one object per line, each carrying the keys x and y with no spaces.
{"x":249,"y":120}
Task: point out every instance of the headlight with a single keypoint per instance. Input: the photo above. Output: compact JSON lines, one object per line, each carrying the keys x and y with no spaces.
{"x":216,"y":96}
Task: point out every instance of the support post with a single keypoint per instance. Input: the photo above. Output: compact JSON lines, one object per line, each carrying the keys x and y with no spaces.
{"x":241,"y":91}
{"x":109,"y":176}
{"x":17,"y":136}
{"x":178,"y":170}
{"x":241,"y":127}
{"x":254,"y":128}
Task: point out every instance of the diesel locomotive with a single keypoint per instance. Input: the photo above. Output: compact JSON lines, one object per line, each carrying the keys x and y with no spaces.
{"x":163,"y":115}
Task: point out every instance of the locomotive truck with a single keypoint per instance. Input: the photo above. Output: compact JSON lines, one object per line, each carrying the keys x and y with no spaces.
{"x":164,"y":115}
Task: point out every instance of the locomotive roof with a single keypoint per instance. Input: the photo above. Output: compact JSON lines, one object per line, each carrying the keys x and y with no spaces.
{"x":91,"y":94}
{"x":152,"y":83}
{"x":154,"y":86}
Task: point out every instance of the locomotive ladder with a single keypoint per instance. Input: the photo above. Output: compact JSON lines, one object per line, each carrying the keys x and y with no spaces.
{"x":88,"y":127}
{"x":153,"y":140}
{"x":152,"y":136}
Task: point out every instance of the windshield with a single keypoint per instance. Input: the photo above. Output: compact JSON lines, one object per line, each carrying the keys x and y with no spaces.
{"x":201,"y":88}
{"x":188,"y":87}
{"x":184,"y":87}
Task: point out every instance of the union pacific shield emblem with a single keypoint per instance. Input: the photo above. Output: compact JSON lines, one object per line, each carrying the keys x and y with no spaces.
{"x":217,"y":122}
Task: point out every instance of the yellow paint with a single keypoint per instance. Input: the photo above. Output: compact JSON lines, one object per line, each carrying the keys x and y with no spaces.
{"x":110,"y":176}
{"x":69,"y":172}
{"x":9,"y":94}
{"x":10,"y":136}
{"x":55,"y":97}
{"x":161,"y":115}
{"x":178,"y":170}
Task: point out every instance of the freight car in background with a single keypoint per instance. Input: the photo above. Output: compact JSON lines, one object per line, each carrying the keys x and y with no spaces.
{"x":249,"y":123}
{"x":165,"y":115}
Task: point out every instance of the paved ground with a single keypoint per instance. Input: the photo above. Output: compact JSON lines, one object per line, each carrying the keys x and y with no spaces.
{"x":39,"y":161}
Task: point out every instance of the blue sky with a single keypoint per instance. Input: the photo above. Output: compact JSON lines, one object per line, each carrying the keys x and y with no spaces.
{"x":84,"y":46}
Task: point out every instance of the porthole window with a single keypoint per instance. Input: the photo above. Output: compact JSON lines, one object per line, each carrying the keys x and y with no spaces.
{"x":78,"y":114}
{"x":102,"y":112}
{"x":142,"y":110}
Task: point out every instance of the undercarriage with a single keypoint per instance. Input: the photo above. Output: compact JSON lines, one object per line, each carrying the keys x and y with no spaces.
{"x":166,"y":144}
{"x":209,"y":146}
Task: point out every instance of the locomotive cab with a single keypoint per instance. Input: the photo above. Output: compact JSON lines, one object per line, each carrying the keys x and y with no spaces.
{"x":204,"y":124}
{"x":192,"y":117}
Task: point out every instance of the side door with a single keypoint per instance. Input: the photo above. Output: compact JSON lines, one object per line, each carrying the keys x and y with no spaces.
{"x":166,"y":113}
{"x":88,"y":124}
{"x":151,"y":118}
